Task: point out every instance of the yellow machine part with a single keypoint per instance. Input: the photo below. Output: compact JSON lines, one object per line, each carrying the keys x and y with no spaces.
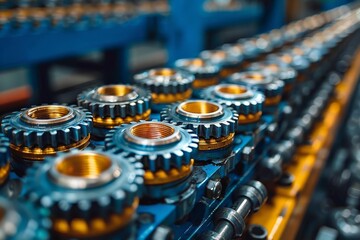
{"x":283,"y":214}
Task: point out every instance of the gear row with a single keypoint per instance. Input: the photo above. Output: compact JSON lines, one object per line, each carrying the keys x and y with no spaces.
{"x":109,"y":154}
{"x":50,"y":15}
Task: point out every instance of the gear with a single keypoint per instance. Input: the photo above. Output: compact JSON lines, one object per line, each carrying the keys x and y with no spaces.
{"x":150,"y":141}
{"x":22,"y":221}
{"x":112,"y":105}
{"x":44,"y":130}
{"x":283,"y":72}
{"x":4,"y":158}
{"x":165,"y":81}
{"x":299,"y":63}
{"x":208,"y":119}
{"x":250,"y":49}
{"x":241,"y":98}
{"x":228,"y":61}
{"x":89,"y":193}
{"x":206,"y":73}
{"x":166,"y":151}
{"x":270,"y":86}
{"x":246,"y":102}
{"x":167,"y":86}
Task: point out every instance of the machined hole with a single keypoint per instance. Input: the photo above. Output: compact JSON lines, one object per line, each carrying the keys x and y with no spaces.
{"x":48,"y":112}
{"x":199,"y":107}
{"x":115,"y":90}
{"x":255,"y":76}
{"x":217,"y":54}
{"x":152,"y":130}
{"x":272,"y":67}
{"x":85,"y":165}
{"x":286,"y":58}
{"x":196,"y":62}
{"x":232,"y":89}
{"x":162,"y":72}
{"x":257,"y":232}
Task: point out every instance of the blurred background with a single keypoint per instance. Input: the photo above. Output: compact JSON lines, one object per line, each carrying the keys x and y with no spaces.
{"x":50,"y":50}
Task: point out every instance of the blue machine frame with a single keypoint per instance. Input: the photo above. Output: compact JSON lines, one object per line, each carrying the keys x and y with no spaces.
{"x":183,"y":29}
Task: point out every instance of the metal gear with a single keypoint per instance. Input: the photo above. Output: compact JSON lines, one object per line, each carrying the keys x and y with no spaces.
{"x":241,"y":98}
{"x":44,"y":130}
{"x":206,"y":73}
{"x":207,"y":119}
{"x":166,"y":151}
{"x":4,"y":158}
{"x":228,"y":61}
{"x":84,"y":189}
{"x":283,"y":72}
{"x":299,"y":63}
{"x":165,"y":82}
{"x":22,"y":221}
{"x":259,"y":80}
{"x":246,"y":102}
{"x":113,"y":105}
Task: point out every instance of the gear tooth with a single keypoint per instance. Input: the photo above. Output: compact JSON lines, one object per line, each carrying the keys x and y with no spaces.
{"x":103,"y":204}
{"x":40,"y":139}
{"x":166,"y":163}
{"x":75,"y":133}
{"x":17,"y":137}
{"x":132,"y":109}
{"x":64,"y":208}
{"x":28,"y":138}
{"x":53,"y":138}
{"x":101,"y":110}
{"x":152,"y":163}
{"x":84,"y":207}
{"x":118,"y":198}
{"x":131,"y":190}
{"x":112,"y":111}
{"x":123,"y":111}
{"x":140,"y":106}
{"x":46,"y":202}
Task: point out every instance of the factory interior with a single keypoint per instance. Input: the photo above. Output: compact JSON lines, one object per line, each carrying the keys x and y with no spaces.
{"x":180,"y":119}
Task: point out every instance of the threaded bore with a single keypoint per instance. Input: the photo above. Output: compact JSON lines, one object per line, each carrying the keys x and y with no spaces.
{"x":152,"y":130}
{"x":85,"y":165}
{"x":115,"y":90}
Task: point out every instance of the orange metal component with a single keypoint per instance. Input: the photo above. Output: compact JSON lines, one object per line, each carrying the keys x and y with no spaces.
{"x":301,"y":169}
{"x":163,"y":177}
{"x":274,"y":216}
{"x":307,"y":165}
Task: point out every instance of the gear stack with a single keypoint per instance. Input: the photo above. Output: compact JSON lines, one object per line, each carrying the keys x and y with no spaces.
{"x":246,"y":102}
{"x":42,"y":131}
{"x":113,"y":105}
{"x":206,"y":73}
{"x":228,"y":61}
{"x":281,"y":71}
{"x":215,"y":125}
{"x":4,"y":158}
{"x":179,"y":154}
{"x":270,"y":86}
{"x":22,"y":221}
{"x":166,"y":85}
{"x":299,"y":63}
{"x":90,"y":194}
{"x":166,"y":151}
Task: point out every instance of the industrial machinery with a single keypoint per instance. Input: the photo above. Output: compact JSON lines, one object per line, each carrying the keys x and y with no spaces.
{"x":226,"y":145}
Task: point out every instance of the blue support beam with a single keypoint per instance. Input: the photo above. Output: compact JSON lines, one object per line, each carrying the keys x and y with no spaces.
{"x":29,"y":48}
{"x":186,"y":26}
{"x":38,"y":50}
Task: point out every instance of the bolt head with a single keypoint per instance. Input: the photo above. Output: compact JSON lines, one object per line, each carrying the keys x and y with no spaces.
{"x":213,"y":189}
